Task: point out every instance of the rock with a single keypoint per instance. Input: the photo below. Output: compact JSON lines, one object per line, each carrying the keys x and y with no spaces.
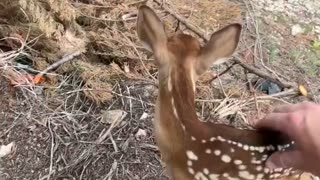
{"x":269,"y":87}
{"x":296,"y":29}
{"x":5,"y":150}
{"x":144,"y":116}
{"x":141,"y":134}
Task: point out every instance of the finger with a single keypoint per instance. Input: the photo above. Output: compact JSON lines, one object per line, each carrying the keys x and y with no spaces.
{"x":286,"y":159}
{"x":280,"y":122}
{"x":287,"y":108}
{"x":292,"y":107}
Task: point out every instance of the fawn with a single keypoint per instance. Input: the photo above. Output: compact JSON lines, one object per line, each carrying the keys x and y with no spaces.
{"x":193,"y":149}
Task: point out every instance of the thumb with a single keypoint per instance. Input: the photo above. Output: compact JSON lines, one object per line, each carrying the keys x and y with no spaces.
{"x":285,"y":159}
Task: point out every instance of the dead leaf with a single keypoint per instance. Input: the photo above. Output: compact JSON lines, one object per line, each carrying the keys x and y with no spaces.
{"x":303,"y":90}
{"x":108,"y":117}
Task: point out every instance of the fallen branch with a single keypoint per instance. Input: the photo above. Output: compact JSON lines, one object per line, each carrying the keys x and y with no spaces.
{"x":65,"y":59}
{"x":222,"y":73}
{"x":262,"y":74}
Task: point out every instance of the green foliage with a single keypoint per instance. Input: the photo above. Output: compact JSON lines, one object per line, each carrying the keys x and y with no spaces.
{"x":273,"y":52}
{"x":316,"y":45}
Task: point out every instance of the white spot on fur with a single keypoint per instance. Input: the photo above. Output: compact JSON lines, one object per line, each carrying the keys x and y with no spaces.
{"x":259,"y":168}
{"x":264,"y":157}
{"x":233,"y":178}
{"x":183,"y":127}
{"x":217,"y":152}
{"x":208,"y":151}
{"x":206,"y":171}
{"x":192,"y":79}
{"x":246,"y":147}
{"x":174,"y":108}
{"x":169,"y":83}
{"x":200,"y":176}
{"x":214,"y":176}
{"x":189,"y":163}
{"x":296,"y":176}
{"x":232,"y":150}
{"x":277,"y":175}
{"x":242,"y":167}
{"x":261,"y":149}
{"x":212,"y":139}
{"x":280,"y":148}
{"x":226,"y":158}
{"x":190,"y":170}
{"x":203,"y":141}
{"x":237,"y":162}
{"x":246,"y":175}
{"x":253,"y":161}
{"x":221,"y":139}
{"x":193,"y":138}
{"x":234,"y":143}
{"x":225,"y":175}
{"x":278,"y":169}
{"x":192,"y":156}
{"x":270,"y":148}
{"x":260,"y":176}
{"x":266,"y":170}
{"x":287,"y":170}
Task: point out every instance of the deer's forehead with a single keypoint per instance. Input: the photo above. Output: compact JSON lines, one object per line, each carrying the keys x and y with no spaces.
{"x":183,"y":47}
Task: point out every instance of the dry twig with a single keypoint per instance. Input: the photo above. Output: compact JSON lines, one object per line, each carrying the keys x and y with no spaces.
{"x":65,"y":59}
{"x":182,"y":20}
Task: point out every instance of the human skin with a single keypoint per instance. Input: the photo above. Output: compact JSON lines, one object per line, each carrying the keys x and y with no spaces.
{"x":301,"y":123}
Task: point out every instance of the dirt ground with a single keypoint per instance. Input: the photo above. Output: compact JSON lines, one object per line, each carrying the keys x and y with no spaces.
{"x":93,"y":118}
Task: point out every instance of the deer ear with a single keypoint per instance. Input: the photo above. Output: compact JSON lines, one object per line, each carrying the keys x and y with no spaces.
{"x":220,"y":47}
{"x":151,"y":31}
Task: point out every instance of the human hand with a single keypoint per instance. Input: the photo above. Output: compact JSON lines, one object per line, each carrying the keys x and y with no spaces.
{"x":301,"y":123}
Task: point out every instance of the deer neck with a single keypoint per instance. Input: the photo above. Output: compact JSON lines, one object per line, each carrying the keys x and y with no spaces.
{"x":176,"y":101}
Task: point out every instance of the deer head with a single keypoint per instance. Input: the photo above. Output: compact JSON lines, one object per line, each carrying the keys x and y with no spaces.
{"x":190,"y":148}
